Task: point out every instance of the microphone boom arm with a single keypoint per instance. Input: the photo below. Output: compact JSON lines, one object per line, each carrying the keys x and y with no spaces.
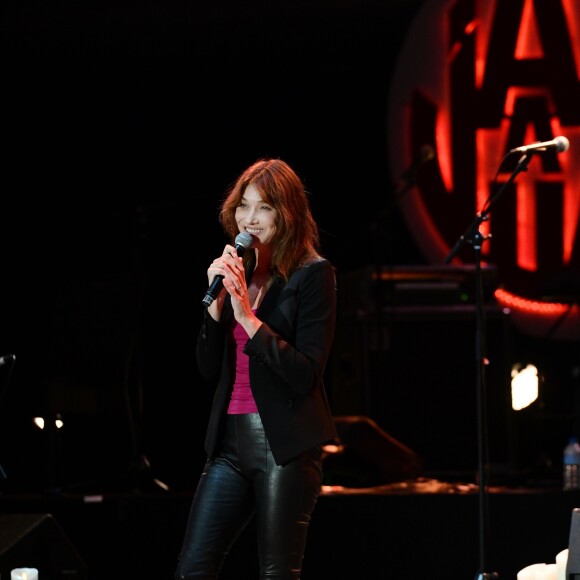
{"x":472,"y":235}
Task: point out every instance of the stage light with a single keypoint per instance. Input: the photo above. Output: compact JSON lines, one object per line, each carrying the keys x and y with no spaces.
{"x":524,"y":386}
{"x":40,"y":422}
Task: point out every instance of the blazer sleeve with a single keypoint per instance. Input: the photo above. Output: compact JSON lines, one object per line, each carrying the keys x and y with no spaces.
{"x":295,"y":344}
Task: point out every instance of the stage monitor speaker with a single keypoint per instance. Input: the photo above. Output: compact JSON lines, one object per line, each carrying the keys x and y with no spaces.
{"x":368,"y":456}
{"x":573,"y":562}
{"x":37,"y":541}
{"x":414,"y":372}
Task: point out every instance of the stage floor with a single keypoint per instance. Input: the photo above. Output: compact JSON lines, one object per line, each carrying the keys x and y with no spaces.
{"x":422,"y":528}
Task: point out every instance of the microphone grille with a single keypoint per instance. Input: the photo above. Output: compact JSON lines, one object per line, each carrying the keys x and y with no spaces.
{"x":562,"y":144}
{"x":244,"y":239}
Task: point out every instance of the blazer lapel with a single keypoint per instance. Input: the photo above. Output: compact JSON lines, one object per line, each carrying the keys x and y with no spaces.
{"x":271,"y":299}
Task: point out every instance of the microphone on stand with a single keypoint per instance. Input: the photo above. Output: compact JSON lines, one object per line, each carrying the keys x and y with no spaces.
{"x":560,"y":144}
{"x":409,"y":176}
{"x":405,"y":183}
{"x":242,"y":242}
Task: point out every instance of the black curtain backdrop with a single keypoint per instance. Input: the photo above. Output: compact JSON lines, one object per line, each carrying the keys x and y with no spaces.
{"x":123,"y":124}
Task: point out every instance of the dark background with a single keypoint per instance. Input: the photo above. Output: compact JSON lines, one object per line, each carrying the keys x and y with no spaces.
{"x":123,"y":124}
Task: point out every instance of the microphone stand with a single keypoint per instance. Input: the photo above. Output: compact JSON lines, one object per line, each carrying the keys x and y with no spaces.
{"x":140,"y":473}
{"x":140,"y":467}
{"x":475,"y":239}
{"x":406,"y":182}
{"x":377,"y":231}
{"x":11,"y":360}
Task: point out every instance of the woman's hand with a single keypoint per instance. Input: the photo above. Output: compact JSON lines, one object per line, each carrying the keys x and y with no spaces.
{"x":229,"y":265}
{"x":235,"y":281}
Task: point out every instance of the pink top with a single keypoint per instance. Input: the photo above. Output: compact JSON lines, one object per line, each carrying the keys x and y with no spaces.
{"x":242,"y":400}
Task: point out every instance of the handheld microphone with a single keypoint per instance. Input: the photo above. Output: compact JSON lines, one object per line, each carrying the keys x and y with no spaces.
{"x":560,"y":144}
{"x":242,"y":241}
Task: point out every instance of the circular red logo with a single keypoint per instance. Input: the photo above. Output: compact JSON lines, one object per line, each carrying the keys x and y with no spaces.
{"x":475,"y":84}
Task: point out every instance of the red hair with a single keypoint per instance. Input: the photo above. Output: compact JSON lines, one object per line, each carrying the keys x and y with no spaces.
{"x":296,"y":240}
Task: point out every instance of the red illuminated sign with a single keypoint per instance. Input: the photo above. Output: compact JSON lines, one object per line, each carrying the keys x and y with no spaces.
{"x":476,"y":78}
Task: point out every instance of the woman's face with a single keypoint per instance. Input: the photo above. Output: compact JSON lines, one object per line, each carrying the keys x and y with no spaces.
{"x":256,"y":216}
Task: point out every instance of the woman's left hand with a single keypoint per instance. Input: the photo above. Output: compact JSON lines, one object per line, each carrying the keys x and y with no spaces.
{"x":235,"y":281}
{"x":236,"y":286}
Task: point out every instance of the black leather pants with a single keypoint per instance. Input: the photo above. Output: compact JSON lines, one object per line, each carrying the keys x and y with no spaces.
{"x":245,"y":480}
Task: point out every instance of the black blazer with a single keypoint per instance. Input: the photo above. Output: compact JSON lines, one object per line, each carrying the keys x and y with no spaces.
{"x":288,"y":356}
